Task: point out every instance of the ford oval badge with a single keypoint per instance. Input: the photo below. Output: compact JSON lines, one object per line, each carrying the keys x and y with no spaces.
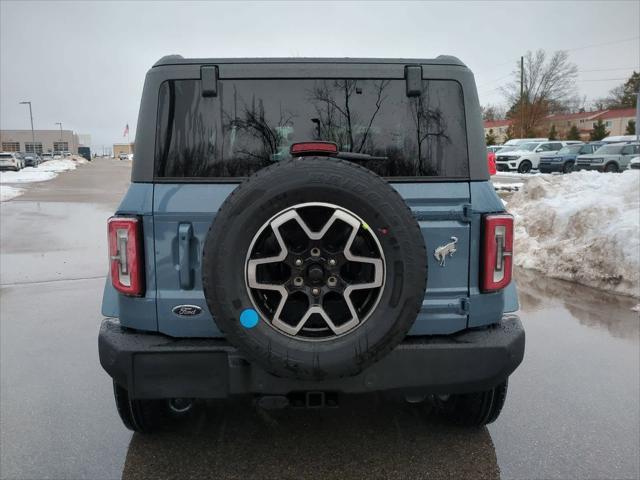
{"x":187,"y":310}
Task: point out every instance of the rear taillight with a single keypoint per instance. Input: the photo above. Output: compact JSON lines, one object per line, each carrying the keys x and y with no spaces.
{"x":497,"y":251}
{"x":126,"y":255}
{"x":313,"y":148}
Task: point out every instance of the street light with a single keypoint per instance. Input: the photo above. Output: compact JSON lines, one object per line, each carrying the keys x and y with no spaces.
{"x":33,"y":136}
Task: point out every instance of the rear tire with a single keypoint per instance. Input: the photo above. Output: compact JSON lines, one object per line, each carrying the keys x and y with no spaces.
{"x":524,"y":167}
{"x":568,"y":167}
{"x":611,"y":168}
{"x":473,"y":409}
{"x":138,"y":415}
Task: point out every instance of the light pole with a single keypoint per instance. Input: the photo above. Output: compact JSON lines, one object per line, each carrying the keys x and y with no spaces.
{"x":33,"y":136}
{"x":60,"y":124}
{"x":638,"y":116}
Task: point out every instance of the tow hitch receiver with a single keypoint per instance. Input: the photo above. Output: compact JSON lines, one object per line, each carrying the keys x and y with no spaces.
{"x":310,"y":399}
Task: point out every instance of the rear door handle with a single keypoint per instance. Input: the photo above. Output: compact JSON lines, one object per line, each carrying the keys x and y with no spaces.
{"x":185,"y":233}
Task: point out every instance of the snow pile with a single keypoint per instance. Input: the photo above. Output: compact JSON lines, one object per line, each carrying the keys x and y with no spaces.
{"x":57,"y":165}
{"x":7,"y":192}
{"x":583,"y":227}
{"x":26,"y":175}
{"x":43,"y":172}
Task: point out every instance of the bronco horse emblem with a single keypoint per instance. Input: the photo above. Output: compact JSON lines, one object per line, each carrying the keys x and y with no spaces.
{"x":448,"y":249}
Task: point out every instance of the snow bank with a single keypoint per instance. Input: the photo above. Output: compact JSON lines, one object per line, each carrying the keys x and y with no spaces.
{"x":26,"y":175}
{"x":57,"y":165}
{"x":7,"y":192}
{"x":583,"y":227}
{"x":43,"y":172}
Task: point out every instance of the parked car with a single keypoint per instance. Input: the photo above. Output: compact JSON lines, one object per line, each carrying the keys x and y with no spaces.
{"x":11,"y":161}
{"x":495,"y":148}
{"x":564,"y":160}
{"x":526,"y":156}
{"x":32,"y":159}
{"x":57,"y":155}
{"x":634,"y":163}
{"x":311,"y":278}
{"x":85,"y":152}
{"x":47,"y":156}
{"x":123,"y":156}
{"x":614,"y":157}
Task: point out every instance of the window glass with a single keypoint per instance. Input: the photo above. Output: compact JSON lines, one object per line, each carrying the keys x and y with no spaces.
{"x":11,"y":146}
{"x":530,"y":147}
{"x":28,"y":147}
{"x":252,"y":123}
{"x":610,"y":149}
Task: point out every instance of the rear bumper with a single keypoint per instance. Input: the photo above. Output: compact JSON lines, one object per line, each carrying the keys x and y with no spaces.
{"x":157,"y":366}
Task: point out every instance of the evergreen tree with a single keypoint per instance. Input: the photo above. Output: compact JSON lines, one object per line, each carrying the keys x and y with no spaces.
{"x":599,"y":131}
{"x":574,"y":133}
{"x":631,"y":128}
{"x":490,"y":137}
{"x":553,"y":134}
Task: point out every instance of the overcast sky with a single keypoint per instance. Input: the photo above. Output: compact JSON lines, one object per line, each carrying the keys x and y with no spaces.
{"x":83,"y":64}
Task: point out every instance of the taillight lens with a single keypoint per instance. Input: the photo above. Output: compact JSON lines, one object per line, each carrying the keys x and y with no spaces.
{"x":126,"y":255}
{"x":313,"y":148}
{"x":497,"y":251}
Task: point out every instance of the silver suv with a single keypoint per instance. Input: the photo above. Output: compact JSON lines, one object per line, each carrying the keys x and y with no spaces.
{"x":609,"y":158}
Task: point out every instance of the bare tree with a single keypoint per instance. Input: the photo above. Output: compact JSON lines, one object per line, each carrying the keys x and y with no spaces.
{"x":430,"y":127}
{"x":253,"y":123}
{"x":549,"y":84}
{"x":492,"y":112}
{"x":623,"y":96}
{"x":336,"y":118}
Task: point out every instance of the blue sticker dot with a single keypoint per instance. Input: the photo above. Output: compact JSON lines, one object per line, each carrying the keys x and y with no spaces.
{"x":249,"y":318}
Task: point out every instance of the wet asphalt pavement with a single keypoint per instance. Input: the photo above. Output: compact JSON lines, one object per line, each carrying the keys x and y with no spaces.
{"x":572,"y":410}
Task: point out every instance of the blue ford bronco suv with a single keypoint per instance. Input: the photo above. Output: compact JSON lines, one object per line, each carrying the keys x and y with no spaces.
{"x":305,"y":229}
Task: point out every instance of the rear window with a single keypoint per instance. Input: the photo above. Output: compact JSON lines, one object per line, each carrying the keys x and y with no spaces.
{"x":6,"y":155}
{"x":252,"y":123}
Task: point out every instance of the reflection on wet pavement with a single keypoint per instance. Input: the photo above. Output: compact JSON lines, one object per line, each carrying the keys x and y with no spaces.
{"x":573,"y":405}
{"x":588,"y":306}
{"x":369,"y":436}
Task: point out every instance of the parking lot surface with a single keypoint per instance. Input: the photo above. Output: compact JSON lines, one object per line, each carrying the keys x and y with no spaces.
{"x":572,"y":408}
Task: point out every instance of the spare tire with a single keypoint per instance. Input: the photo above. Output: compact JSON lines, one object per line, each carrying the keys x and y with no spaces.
{"x":314,"y":268}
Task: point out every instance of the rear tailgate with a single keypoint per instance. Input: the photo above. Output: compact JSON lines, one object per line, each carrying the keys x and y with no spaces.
{"x":181,"y":225}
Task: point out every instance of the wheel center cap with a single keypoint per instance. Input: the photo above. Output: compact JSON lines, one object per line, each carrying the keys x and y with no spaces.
{"x":315,"y":274}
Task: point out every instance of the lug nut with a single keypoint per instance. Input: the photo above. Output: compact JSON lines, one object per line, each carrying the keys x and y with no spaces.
{"x":298,"y":262}
{"x":332,"y":281}
{"x":315,"y":291}
{"x":315,"y":252}
{"x":332,"y":262}
{"x":298,"y":281}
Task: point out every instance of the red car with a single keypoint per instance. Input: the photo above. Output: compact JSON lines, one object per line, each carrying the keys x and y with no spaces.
{"x":491,"y":158}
